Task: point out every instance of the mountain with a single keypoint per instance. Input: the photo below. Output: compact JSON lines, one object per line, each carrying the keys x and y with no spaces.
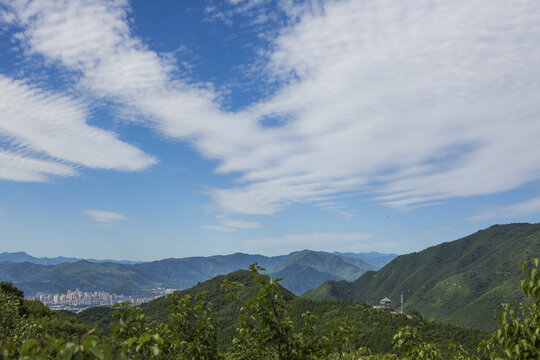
{"x":110,"y":277}
{"x":371,"y":328}
{"x":460,"y":282}
{"x":377,"y":259}
{"x":144,"y":278}
{"x":21,"y":256}
{"x":307,"y":269}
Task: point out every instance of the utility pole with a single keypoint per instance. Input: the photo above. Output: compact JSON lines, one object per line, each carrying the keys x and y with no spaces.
{"x":401,"y":302}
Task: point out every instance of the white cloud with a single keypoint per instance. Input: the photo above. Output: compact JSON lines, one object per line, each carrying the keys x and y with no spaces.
{"x":46,"y":134}
{"x":232,"y":225}
{"x":413,"y":102}
{"x":17,"y":167}
{"x":104,"y":218}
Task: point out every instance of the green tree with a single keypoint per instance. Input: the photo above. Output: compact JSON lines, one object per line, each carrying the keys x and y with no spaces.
{"x":191,"y":332}
{"x":264,"y":330}
{"x":133,"y":334}
{"x":408,"y":342}
{"x":518,"y":337}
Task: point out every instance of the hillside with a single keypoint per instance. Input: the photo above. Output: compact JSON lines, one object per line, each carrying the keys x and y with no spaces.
{"x":144,"y":278}
{"x":460,"y":282}
{"x":373,"y":329}
{"x":110,"y":277}
{"x":306,"y":270}
{"x":55,"y":323}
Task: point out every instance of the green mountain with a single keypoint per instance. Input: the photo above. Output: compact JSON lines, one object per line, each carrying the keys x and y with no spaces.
{"x":373,"y":329}
{"x":308,"y":269}
{"x":144,"y":278}
{"x":110,"y":277}
{"x":460,"y":282}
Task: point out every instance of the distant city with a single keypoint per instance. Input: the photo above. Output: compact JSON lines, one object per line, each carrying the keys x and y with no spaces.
{"x":77,"y":300}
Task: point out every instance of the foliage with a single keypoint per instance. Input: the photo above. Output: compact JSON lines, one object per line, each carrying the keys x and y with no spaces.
{"x":265,"y":329}
{"x":372,"y":329}
{"x":409,"y":344}
{"x":519,"y":337}
{"x":191,"y":332}
{"x":133,"y":334}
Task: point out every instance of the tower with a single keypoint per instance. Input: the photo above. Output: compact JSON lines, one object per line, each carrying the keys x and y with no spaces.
{"x":401,"y":302}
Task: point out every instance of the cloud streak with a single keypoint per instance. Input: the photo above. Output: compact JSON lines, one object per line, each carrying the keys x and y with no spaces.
{"x":46,"y":134}
{"x":104,"y":218}
{"x":519,"y":209}
{"x":232,"y":225}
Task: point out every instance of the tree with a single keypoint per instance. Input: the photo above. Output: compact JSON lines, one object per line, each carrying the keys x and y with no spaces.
{"x":264,"y":330}
{"x":133,"y":334}
{"x":191,"y":332}
{"x":518,"y":337}
{"x":408,"y":342}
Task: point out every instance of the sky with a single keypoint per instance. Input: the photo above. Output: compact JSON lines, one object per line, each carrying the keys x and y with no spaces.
{"x":151,"y":129}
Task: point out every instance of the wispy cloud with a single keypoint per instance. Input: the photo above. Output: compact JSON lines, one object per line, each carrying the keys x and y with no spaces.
{"x":231,"y":225}
{"x":411,"y":102}
{"x":104,"y":218}
{"x":433,"y":107}
{"x":336,"y":208}
{"x":46,"y":134}
{"x":519,"y":209}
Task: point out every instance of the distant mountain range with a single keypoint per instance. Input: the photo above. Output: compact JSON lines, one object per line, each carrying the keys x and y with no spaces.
{"x":21,"y":256}
{"x":460,"y":282}
{"x":302,"y":270}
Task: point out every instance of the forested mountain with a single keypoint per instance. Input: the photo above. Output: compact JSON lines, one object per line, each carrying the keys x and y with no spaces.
{"x":459,"y":282}
{"x":371,"y":328}
{"x":267,"y":322}
{"x":303,"y":270}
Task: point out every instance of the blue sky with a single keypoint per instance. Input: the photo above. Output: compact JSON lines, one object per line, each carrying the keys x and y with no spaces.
{"x":143,"y":130}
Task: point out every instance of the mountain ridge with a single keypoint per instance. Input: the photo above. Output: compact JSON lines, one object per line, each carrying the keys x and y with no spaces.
{"x":21,"y":256}
{"x":175,"y":273}
{"x":461,"y":281}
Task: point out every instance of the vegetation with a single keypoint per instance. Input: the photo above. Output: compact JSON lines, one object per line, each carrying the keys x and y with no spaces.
{"x":459,"y":282}
{"x":371,"y":328}
{"x":264,"y":330}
